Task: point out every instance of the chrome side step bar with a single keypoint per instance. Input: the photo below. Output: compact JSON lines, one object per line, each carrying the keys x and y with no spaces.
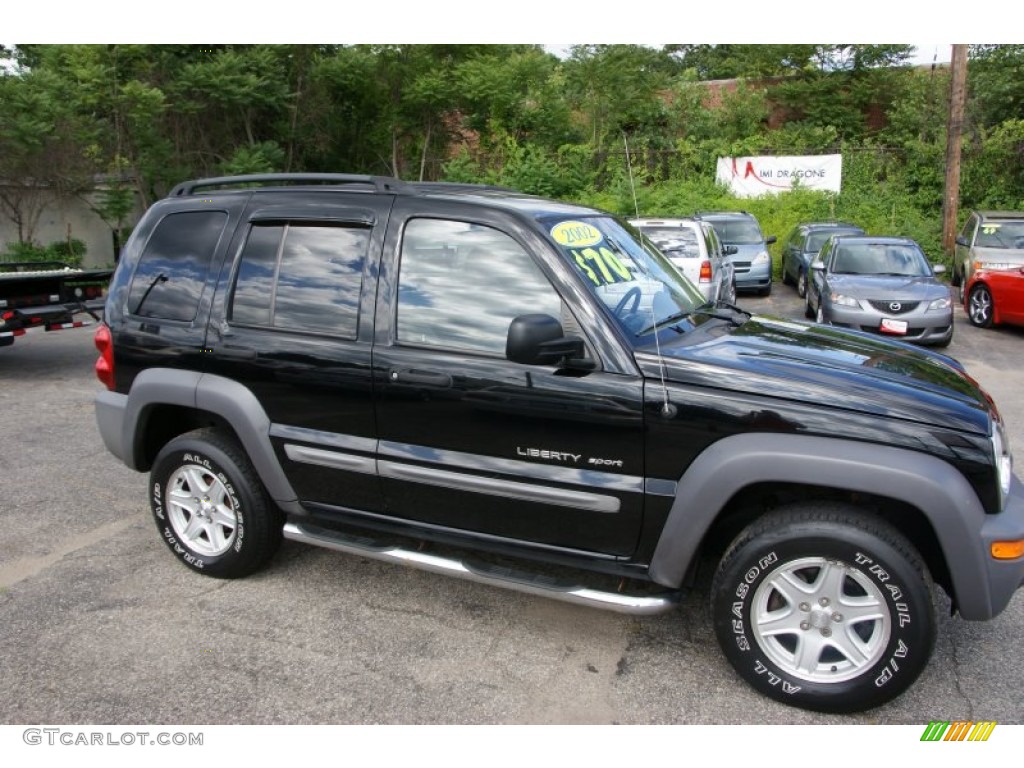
{"x":495,"y":576}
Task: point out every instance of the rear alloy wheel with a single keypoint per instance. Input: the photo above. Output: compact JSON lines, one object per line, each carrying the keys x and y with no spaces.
{"x":824,"y":607}
{"x":801,"y":284}
{"x":211,"y":508}
{"x":980,"y":307}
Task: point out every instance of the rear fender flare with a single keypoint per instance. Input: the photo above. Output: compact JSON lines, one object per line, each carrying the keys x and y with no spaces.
{"x":231,"y":401}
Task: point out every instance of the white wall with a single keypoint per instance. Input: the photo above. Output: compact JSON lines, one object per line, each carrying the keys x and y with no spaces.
{"x":66,"y":213}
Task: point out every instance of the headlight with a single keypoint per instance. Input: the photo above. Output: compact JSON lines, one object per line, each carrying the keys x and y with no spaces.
{"x":995,"y":265}
{"x":1004,"y":461}
{"x":761,"y":258}
{"x":943,"y":303}
{"x":844,"y":301}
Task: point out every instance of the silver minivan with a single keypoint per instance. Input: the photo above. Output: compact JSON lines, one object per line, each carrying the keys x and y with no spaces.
{"x":988,"y":240}
{"x":694,"y":249}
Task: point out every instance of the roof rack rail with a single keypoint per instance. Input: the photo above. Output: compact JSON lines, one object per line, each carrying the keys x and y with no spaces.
{"x":701,"y":213}
{"x":378,"y":183}
{"x":456,"y":186}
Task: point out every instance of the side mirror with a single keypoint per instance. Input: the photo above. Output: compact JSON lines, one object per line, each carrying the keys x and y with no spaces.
{"x":770,"y":240}
{"x":961,"y":240}
{"x":540,"y":340}
{"x":818,"y":265}
{"x":730,"y":250}
{"x":938,"y":269}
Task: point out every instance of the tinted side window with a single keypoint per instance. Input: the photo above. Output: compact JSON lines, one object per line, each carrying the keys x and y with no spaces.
{"x":172,"y":271}
{"x":301,"y":277}
{"x":460,"y":286}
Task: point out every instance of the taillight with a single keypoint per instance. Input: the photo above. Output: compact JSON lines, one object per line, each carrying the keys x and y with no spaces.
{"x":105,"y":362}
{"x":705,"y":272}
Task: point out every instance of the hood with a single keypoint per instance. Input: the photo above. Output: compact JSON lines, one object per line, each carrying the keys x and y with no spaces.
{"x":998,"y":255}
{"x":747,"y":251}
{"x":825,"y":367}
{"x":888,"y":287}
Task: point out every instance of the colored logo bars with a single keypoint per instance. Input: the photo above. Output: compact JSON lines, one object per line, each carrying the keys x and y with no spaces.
{"x":958,"y":730}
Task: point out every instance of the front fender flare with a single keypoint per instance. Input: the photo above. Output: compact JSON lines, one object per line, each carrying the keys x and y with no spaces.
{"x":925,"y":482}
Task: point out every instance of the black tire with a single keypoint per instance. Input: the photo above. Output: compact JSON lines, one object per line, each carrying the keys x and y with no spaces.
{"x":210,"y":506}
{"x":980,"y":306}
{"x":808,"y":308}
{"x":801,"y":284}
{"x":824,"y":555}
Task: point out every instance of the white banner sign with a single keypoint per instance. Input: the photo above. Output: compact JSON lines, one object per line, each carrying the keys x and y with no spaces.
{"x":756,"y":176}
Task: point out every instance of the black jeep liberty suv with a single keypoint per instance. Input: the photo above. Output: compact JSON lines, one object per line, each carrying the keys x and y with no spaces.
{"x":405,"y":370}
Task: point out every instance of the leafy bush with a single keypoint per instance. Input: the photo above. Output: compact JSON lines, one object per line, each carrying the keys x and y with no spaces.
{"x":70,"y":252}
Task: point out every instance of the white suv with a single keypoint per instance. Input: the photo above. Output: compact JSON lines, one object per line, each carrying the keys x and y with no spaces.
{"x":694,"y":248}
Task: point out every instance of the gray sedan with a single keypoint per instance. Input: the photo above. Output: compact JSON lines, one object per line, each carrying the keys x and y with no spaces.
{"x":881,"y":285}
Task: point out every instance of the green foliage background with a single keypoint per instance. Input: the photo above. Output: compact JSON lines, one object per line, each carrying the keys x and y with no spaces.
{"x":144,"y":117}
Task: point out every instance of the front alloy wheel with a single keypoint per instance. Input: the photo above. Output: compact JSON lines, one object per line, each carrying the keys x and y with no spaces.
{"x":824,"y":606}
{"x":821,"y":620}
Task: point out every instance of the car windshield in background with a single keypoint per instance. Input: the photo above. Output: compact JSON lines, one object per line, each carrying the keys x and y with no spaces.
{"x":1001,"y":234}
{"x":817,"y":239}
{"x":674,"y":242}
{"x":739,"y":232}
{"x":879,"y":259}
{"x":639,"y":285}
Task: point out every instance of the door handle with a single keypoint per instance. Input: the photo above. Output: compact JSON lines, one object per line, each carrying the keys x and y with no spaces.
{"x":413,"y":376}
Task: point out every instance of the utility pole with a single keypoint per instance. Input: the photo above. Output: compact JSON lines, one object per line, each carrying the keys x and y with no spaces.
{"x":954,"y":130}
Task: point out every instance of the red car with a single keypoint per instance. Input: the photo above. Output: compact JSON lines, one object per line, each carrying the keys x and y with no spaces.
{"x":995,"y":296}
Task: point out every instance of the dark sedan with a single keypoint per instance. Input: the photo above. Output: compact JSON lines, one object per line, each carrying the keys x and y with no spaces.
{"x":802,"y":246}
{"x":881,"y":285}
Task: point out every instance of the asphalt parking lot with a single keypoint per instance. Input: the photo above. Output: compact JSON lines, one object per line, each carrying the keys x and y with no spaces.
{"x":99,"y":624}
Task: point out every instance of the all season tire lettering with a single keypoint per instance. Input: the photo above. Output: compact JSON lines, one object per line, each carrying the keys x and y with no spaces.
{"x":742,"y":589}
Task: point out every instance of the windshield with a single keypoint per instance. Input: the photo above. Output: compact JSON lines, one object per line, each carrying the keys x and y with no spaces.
{"x":817,"y":239}
{"x":737,"y":231}
{"x":1001,"y":234}
{"x":638,"y":285}
{"x":880,"y":259}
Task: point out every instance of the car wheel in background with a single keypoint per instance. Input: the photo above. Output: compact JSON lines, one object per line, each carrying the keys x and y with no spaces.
{"x":801,"y":284}
{"x":980,"y":306}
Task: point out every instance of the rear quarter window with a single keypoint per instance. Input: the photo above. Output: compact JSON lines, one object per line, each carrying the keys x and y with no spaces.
{"x":174,"y":266}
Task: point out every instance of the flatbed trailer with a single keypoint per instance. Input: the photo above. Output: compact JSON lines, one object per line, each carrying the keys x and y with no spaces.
{"x":50,"y":296}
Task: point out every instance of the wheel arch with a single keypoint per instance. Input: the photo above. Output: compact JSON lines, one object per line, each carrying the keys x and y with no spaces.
{"x":164,"y":403}
{"x":739,"y":478}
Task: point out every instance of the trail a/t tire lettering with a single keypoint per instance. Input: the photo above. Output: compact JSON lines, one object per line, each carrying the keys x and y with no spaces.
{"x":213,"y":512}
{"x":824,"y":606}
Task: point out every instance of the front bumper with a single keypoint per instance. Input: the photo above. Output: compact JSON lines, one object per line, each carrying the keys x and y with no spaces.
{"x":751,"y":277}
{"x":922,"y":327}
{"x":1004,"y":577}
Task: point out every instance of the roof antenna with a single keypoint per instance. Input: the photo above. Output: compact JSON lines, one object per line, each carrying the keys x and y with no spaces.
{"x":629,"y":167}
